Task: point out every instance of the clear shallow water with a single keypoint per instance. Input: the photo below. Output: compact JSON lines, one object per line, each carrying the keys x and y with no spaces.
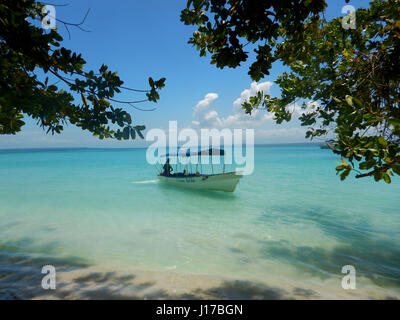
{"x":291,"y":221}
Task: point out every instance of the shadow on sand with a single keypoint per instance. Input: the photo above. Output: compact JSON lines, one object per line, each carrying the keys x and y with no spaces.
{"x":374,"y":254}
{"x":21,"y":278}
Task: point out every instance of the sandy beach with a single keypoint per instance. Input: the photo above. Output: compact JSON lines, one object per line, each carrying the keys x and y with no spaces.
{"x":21,"y":279}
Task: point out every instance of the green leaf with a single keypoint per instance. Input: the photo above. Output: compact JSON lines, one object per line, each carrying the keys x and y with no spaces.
{"x":396,"y":169}
{"x":349,"y":100}
{"x":126,"y":133}
{"x":128,"y":118}
{"x":344,"y":174}
{"x":358,"y":102}
{"x":133,"y":134}
{"x":382,"y":141}
{"x":139,"y":132}
{"x":378,"y":176}
{"x":366,"y":165}
{"x":386,"y":178}
{"x":394,"y":122}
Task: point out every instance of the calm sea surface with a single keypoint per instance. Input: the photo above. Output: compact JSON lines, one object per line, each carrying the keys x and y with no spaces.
{"x":291,"y":221}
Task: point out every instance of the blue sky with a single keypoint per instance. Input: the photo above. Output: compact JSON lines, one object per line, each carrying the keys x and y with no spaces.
{"x":146,"y":38}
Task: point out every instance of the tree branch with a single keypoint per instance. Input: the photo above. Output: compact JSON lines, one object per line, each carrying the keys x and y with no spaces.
{"x":383,"y":168}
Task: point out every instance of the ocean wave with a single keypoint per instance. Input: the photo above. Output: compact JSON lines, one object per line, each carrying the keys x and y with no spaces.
{"x":144,"y":181}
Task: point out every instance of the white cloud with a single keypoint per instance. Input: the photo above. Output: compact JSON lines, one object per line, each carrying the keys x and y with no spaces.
{"x":246,"y":94}
{"x":206,"y":117}
{"x":205,"y":103}
{"x":297,"y":110}
{"x":202,"y":114}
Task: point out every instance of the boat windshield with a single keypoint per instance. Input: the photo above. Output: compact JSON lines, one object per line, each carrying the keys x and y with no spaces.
{"x":190,"y":170}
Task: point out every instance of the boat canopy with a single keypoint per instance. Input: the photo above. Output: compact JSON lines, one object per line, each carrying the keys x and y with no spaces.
{"x":190,"y":152}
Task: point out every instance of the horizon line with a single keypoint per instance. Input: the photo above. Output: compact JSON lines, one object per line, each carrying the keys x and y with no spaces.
{"x":71,"y":148}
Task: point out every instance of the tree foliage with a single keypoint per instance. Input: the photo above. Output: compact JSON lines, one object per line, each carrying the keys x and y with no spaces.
{"x":352,"y":74}
{"x":225,"y":28}
{"x":31,"y":58}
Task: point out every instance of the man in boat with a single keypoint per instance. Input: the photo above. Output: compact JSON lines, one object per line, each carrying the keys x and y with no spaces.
{"x":167,"y":168}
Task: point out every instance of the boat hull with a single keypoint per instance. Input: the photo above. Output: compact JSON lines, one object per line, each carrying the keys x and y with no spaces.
{"x":223,"y":182}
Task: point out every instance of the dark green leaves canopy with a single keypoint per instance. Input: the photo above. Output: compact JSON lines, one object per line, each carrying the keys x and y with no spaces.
{"x":353,"y":74}
{"x":27,"y":50}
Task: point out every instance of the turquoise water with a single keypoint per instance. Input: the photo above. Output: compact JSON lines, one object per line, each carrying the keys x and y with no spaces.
{"x":291,"y":221}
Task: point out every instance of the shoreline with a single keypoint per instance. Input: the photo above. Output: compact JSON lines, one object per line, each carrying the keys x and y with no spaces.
{"x":20,"y":279}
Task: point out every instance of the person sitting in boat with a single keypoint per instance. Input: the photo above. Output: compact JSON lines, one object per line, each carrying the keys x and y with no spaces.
{"x":167,"y":168}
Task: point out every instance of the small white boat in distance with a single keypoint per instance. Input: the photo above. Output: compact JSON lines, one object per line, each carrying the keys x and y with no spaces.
{"x":225,"y":181}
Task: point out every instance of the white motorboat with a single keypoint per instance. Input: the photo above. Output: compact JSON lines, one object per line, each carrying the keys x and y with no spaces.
{"x":225,"y":181}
